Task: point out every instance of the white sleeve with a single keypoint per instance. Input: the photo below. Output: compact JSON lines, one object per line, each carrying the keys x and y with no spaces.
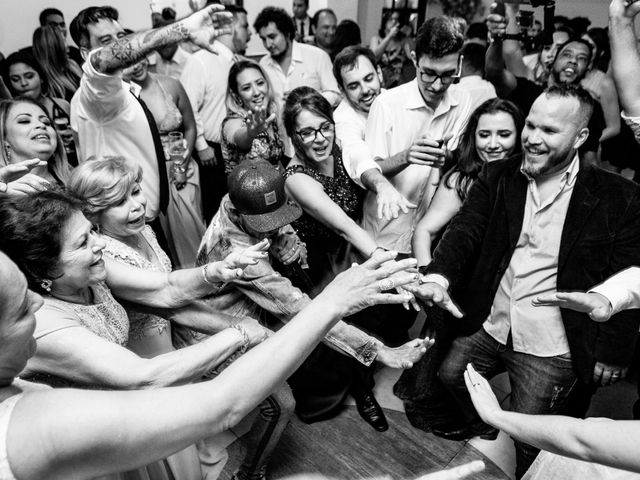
{"x":379,"y":130}
{"x":622,"y":289}
{"x":356,"y":156}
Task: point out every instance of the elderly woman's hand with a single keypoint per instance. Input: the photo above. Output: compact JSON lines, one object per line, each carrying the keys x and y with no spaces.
{"x":28,"y":184}
{"x":404,"y":356}
{"x":232,"y":267}
{"x":363,"y":285}
{"x":482,"y":395}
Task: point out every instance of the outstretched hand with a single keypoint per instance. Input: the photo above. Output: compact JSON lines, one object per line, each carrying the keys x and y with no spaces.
{"x":391,"y":202}
{"x":404,"y":356}
{"x":14,"y":171}
{"x":482,"y":395}
{"x":597,"y":306}
{"x":363,"y":285}
{"x":204,"y":26}
{"x":435,"y":294}
{"x":233,"y":265}
{"x":456,"y":473}
{"x":258,"y":121}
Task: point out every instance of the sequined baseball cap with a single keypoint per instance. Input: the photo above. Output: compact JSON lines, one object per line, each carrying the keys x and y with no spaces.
{"x":256,"y":189}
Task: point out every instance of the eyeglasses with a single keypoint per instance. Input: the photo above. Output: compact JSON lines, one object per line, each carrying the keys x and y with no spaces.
{"x":446,"y":80}
{"x":310,"y":135}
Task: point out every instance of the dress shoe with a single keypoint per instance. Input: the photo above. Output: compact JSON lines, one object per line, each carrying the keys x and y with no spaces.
{"x":371,"y":411}
{"x":465,"y":432}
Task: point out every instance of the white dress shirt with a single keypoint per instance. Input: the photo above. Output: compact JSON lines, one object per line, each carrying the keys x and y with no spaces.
{"x":174,"y":66}
{"x":533,"y":271}
{"x":351,"y":125}
{"x":310,"y":67}
{"x":205,"y":78}
{"x":622,"y":290}
{"x":110,"y":122}
{"x":478,"y":89}
{"x":397,"y":118}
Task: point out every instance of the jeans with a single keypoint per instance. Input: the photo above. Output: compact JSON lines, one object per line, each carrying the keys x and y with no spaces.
{"x":539,"y":385}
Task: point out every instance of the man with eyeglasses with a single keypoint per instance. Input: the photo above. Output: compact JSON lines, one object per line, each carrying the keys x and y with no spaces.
{"x":410,"y":129}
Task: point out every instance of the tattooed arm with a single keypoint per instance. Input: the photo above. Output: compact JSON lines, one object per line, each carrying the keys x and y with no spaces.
{"x":202,"y":28}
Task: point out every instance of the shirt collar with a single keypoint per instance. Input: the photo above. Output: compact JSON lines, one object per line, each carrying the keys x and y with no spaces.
{"x":415,"y":100}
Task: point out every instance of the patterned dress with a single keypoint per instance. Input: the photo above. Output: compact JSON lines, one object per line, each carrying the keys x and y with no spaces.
{"x":149,"y":335}
{"x":328,"y":253}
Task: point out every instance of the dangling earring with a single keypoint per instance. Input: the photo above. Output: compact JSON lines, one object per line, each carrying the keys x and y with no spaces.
{"x":7,"y":151}
{"x":46,"y":284}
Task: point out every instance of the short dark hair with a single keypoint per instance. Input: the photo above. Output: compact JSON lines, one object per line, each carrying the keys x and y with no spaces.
{"x":279,"y":17}
{"x":235,"y":10}
{"x":473,"y":57}
{"x":31,"y":232}
{"x":348,"y":58}
{"x":439,"y":36}
{"x":477,"y":30}
{"x":78,"y":28}
{"x":46,"y":12}
{"x":304,"y":98}
{"x":586,"y":101}
{"x":575,"y":40}
{"x":316,"y":16}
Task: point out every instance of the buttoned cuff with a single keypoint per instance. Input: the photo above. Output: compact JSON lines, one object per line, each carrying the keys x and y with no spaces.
{"x":618,"y":299}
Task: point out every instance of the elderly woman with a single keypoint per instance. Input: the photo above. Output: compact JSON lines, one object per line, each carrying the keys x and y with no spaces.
{"x":26,"y":132}
{"x":114,"y":201}
{"x":82,"y":330}
{"x":86,"y":434}
{"x":250,"y":130}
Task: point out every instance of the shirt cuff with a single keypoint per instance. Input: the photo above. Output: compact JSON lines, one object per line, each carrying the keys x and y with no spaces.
{"x":201,"y":144}
{"x":617,"y":298}
{"x":435,"y":278}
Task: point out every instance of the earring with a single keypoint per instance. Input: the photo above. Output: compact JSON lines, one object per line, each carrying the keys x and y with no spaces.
{"x":7,"y":151}
{"x":46,"y":284}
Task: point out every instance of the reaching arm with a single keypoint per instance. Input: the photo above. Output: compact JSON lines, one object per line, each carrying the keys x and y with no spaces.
{"x":180,"y":287}
{"x":495,"y":68}
{"x":310,"y":195}
{"x":625,"y":58}
{"x":86,"y":434}
{"x":390,"y":201}
{"x":598,"y":440}
{"x":201,"y":28}
{"x":511,"y":51}
{"x":444,"y":206}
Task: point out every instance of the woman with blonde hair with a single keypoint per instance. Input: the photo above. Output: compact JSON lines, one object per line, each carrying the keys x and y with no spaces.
{"x":26,"y":132}
{"x":63,"y":74}
{"x":250,"y":131}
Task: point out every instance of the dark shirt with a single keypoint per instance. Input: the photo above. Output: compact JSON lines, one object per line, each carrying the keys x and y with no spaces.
{"x":526,"y":93}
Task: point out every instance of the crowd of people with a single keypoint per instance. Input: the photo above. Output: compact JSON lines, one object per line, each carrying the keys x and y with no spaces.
{"x":188,"y":235}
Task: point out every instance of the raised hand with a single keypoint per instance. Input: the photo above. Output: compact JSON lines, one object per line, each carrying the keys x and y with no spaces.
{"x":405,"y":355}
{"x":14,"y":171}
{"x":363,"y":285}
{"x":28,"y":184}
{"x":204,"y":26}
{"x":624,"y":8}
{"x":597,"y":306}
{"x":258,"y":121}
{"x":429,"y":151}
{"x":232,"y":267}
{"x":482,"y":395}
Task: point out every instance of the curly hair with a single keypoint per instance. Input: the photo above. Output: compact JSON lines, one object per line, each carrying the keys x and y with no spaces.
{"x":279,"y":17}
{"x":31,"y":232}
{"x":439,"y":36}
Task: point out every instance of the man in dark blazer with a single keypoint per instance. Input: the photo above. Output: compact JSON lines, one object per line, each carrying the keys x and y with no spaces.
{"x":534,"y":224}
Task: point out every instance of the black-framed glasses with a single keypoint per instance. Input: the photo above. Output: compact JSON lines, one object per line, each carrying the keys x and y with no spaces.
{"x":446,"y":80}
{"x":310,"y":135}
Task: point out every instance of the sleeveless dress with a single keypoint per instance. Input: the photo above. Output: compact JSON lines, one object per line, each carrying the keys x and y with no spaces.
{"x":328,"y":253}
{"x":149,"y":335}
{"x":184,"y":220}
{"x":266,"y":146}
{"x":108,"y":319}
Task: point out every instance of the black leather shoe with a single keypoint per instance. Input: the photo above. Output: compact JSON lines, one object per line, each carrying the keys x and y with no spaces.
{"x":465,"y":432}
{"x":371,"y":411}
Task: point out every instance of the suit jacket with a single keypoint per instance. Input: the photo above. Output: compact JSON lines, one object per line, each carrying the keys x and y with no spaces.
{"x":601,"y":236}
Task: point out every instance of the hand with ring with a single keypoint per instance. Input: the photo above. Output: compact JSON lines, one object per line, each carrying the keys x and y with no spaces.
{"x":482,"y":395}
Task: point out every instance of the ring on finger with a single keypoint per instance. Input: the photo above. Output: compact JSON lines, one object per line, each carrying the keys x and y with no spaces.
{"x":386,"y":284}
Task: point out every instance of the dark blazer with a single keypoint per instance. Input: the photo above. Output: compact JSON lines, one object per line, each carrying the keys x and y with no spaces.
{"x":601,"y":236}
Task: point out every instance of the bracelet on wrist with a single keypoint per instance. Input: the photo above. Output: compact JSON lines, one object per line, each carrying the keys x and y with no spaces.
{"x":245,"y":337}
{"x":205,"y":277}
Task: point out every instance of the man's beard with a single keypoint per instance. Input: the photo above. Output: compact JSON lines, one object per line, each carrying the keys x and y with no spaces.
{"x":553,"y":161}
